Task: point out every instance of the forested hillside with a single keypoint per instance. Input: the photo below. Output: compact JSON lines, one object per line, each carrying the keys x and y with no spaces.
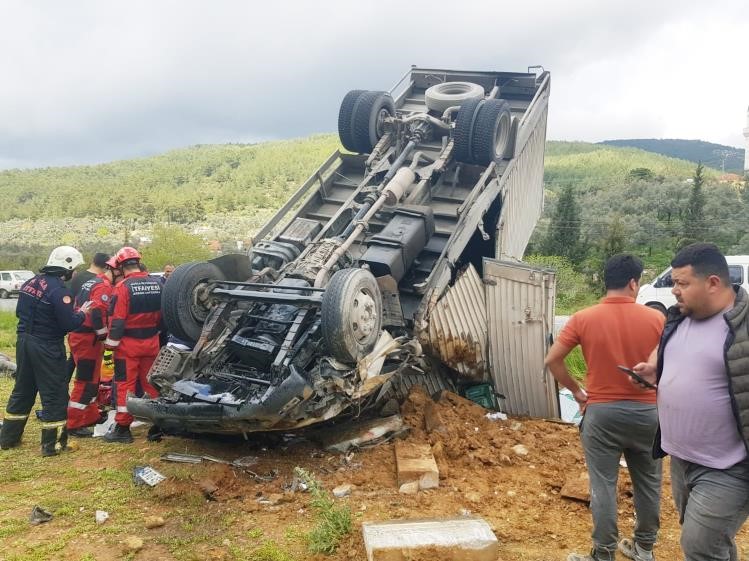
{"x":718,"y":156}
{"x":223,"y":193}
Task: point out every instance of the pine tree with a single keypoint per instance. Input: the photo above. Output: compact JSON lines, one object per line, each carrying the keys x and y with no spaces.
{"x":563,"y":236}
{"x":694,"y":226}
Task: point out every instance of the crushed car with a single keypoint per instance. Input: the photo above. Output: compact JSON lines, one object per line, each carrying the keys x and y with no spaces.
{"x":339,"y":307}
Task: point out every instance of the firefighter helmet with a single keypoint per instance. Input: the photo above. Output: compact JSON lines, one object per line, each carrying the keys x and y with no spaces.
{"x":127,"y":254}
{"x":64,"y":257}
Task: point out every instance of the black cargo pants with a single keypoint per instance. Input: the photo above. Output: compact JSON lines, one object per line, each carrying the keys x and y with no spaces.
{"x":41,"y":367}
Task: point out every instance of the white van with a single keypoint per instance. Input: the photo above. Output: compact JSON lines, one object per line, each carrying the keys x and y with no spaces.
{"x":658,"y":295}
{"x":11,"y":281}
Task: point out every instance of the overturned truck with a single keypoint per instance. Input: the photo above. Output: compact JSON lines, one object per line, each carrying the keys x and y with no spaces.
{"x":340,"y":307}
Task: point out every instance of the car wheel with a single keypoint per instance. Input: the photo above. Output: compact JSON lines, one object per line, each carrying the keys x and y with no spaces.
{"x":491,"y":132}
{"x":351,"y":315}
{"x":361,"y":119}
{"x":449,"y":94}
{"x":4,"y":294}
{"x":186,"y":300}
{"x":658,"y":306}
{"x":463,"y":131}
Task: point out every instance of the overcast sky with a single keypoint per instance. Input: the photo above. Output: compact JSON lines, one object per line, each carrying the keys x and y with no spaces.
{"x":86,"y":82}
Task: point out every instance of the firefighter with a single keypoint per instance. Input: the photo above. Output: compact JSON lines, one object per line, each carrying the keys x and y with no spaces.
{"x":45,"y":314}
{"x":134,"y":335}
{"x":86,"y":344}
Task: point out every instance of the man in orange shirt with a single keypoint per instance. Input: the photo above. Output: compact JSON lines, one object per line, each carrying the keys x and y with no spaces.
{"x":619,"y":417}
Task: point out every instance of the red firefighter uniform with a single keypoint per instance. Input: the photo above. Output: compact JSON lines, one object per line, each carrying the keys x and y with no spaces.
{"x":86,"y":344}
{"x":134,"y":335}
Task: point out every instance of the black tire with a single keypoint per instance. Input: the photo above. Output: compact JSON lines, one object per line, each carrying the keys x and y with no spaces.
{"x":4,"y":294}
{"x":345,"y":119}
{"x":491,"y":131}
{"x":658,"y":306}
{"x":366,"y":119}
{"x":463,"y":131}
{"x":351,"y":315}
{"x":183,"y":303}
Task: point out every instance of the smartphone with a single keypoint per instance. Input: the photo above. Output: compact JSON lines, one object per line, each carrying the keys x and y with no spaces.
{"x":636,"y":377}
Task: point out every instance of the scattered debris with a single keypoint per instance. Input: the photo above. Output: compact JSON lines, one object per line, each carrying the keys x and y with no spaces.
{"x":243,"y":462}
{"x":415,"y":462}
{"x":520,"y":450}
{"x":516,"y":425}
{"x":133,"y":544}
{"x":7,"y":366}
{"x":569,"y":409}
{"x":146,"y":475}
{"x":453,"y":539}
{"x":360,"y":434}
{"x":152,"y":522}
{"x":342,"y":490}
{"x":496,"y":416}
{"x":39,"y":515}
{"x":101,"y":516}
{"x":577,"y":488}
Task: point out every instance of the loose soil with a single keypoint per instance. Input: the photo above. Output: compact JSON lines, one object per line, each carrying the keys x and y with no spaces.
{"x":216,"y":512}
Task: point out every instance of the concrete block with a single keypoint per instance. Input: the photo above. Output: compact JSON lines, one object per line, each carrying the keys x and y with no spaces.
{"x":415,"y":462}
{"x":452,"y":539}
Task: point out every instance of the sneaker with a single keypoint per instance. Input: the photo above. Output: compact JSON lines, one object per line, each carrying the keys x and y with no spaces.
{"x":82,"y":432}
{"x":632,"y":550}
{"x":120,"y":434}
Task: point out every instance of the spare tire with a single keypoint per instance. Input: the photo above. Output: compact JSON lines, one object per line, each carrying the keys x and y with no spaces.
{"x":491,"y":132}
{"x":351,"y":314}
{"x":463,"y":131}
{"x":448,"y":94}
{"x":185,"y":299}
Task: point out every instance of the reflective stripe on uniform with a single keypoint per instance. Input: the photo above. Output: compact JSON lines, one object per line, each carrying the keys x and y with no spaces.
{"x":122,"y":409}
{"x":75,"y":405}
{"x":111,"y":342}
{"x":54,"y":424}
{"x":14,"y":417}
{"x":101,"y":331}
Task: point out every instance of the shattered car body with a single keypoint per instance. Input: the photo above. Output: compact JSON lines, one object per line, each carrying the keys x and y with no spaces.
{"x":342,"y":303}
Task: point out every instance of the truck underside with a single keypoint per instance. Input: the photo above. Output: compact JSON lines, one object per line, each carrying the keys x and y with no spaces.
{"x":329,"y":314}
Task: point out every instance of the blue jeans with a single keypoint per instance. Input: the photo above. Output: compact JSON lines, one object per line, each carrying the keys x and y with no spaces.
{"x":608,"y":431}
{"x":712,"y":505}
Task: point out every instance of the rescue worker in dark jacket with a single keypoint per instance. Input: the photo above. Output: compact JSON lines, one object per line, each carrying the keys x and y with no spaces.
{"x":45,"y":314}
{"x":87,"y":345}
{"x":134,"y":335}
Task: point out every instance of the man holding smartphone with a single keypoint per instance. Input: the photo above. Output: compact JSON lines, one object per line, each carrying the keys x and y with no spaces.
{"x":702,"y":368}
{"x":619,"y":418}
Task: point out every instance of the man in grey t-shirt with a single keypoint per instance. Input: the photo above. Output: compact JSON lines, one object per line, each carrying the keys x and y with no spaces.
{"x":701,"y":363}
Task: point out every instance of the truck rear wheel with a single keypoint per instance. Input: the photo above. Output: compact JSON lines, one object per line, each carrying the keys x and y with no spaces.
{"x":491,"y":131}
{"x":186,"y":301}
{"x":351,"y":315}
{"x":463,"y":131}
{"x":362,"y":117}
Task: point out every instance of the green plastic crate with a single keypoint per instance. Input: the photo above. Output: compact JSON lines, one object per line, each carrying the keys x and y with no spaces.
{"x":484,"y":395}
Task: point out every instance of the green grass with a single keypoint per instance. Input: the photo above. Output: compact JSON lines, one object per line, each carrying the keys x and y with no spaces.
{"x":576,"y":364}
{"x":8,"y":323}
{"x":333,"y":522}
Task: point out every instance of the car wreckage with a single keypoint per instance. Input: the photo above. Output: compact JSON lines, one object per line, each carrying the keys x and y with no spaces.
{"x":333,"y":311}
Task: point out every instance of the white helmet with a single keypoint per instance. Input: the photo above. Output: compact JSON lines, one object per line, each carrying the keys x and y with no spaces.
{"x":64,"y":257}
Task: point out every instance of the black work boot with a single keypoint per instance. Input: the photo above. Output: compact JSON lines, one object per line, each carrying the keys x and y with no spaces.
{"x":154,"y":434}
{"x":11,"y":431}
{"x":119,"y":434}
{"x":81,"y":432}
{"x":51,"y":445}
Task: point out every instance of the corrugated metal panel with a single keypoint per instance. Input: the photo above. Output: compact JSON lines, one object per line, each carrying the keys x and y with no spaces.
{"x":523,"y":194}
{"x":520,"y":309}
{"x":457,"y":327}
